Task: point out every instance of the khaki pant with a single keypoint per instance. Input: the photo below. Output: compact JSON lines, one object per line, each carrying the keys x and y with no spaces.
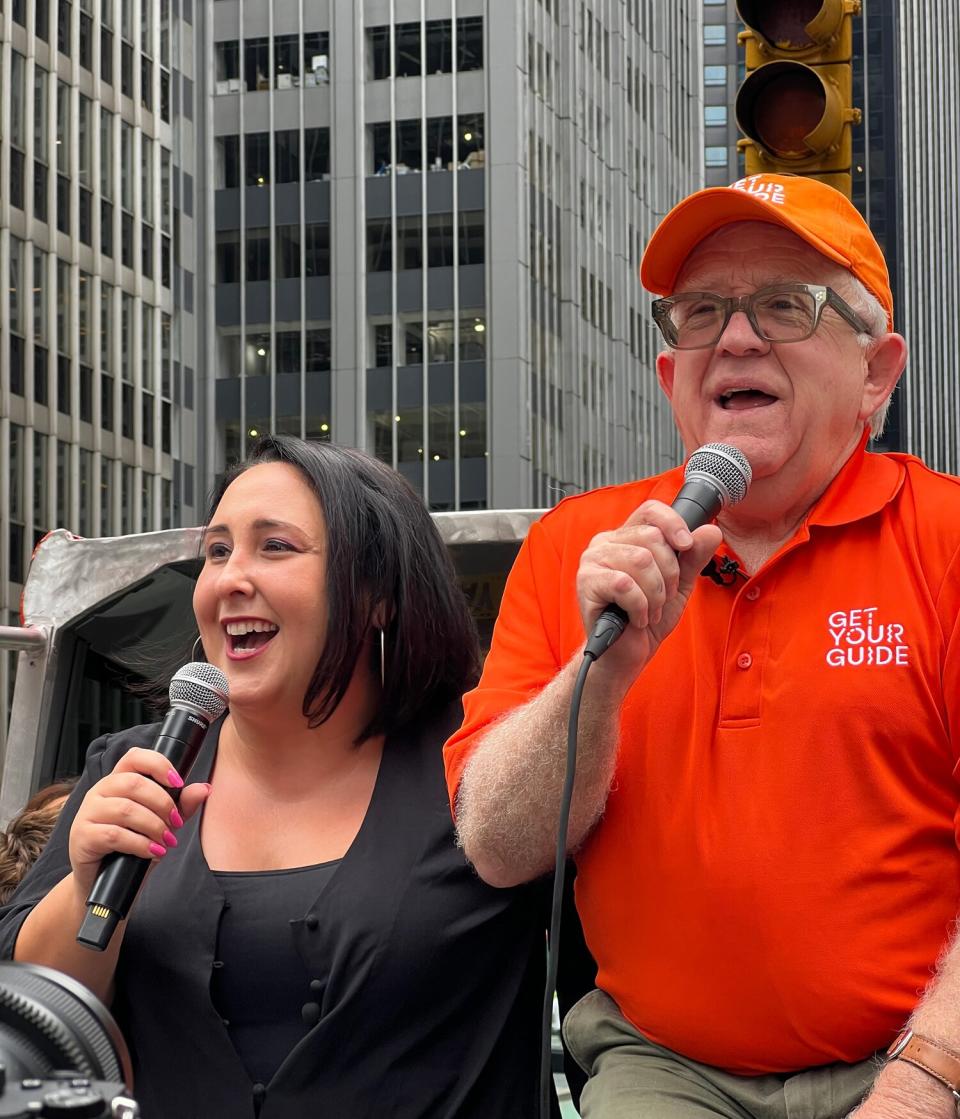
{"x":631,"y":1078}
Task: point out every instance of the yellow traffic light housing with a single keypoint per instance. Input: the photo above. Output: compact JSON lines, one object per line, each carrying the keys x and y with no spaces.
{"x":794,"y":107}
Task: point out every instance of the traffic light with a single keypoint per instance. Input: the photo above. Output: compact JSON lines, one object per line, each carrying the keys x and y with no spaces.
{"x":794,"y":106}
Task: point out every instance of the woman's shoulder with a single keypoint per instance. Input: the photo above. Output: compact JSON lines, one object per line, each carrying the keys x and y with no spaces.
{"x":104,"y":752}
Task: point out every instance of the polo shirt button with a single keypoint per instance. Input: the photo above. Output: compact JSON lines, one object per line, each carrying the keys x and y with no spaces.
{"x":753,"y":593}
{"x":316,"y":986}
{"x":312,"y":921}
{"x":744,"y":660}
{"x":259,"y":1091}
{"x":310,"y":1013}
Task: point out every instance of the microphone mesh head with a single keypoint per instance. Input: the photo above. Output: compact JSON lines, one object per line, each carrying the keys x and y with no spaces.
{"x":202,"y":688}
{"x":725,"y":466}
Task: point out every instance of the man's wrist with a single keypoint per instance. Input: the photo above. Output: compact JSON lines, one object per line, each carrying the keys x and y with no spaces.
{"x":904,"y":1089}
{"x":937,"y":1059}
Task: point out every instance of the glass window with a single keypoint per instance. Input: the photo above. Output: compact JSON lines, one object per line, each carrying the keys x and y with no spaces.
{"x":317,"y":245}
{"x":40,"y":80}
{"x":288,"y":251}
{"x":317,"y":357}
{"x":146,"y":83}
{"x":106,"y":326}
{"x":41,"y":14}
{"x":257,"y":147}
{"x":126,"y":69}
{"x":258,"y":255}
{"x":146,"y":177}
{"x":286,"y":162}
{"x":86,"y":41}
{"x":407,"y":50}
{"x":286,"y":60}
{"x":409,"y":146}
{"x":379,"y":246}
{"x":714,"y":115}
{"x":17,"y":93}
{"x":473,"y":336}
{"x":40,"y":480}
{"x":63,"y":128}
{"x":84,"y":297}
{"x":165,"y":190}
{"x":409,"y":247}
{"x":378,"y":52}
{"x":63,"y":306}
{"x":227,"y":66}
{"x":84,"y":141}
{"x":439,"y":46}
{"x":316,"y":58}
{"x":714,"y":75}
{"x":39,"y":296}
{"x":228,"y":256}
{"x":256,"y":64}
{"x":147,"y":347}
{"x":715,"y":156}
{"x":440,"y":241}
{"x":126,"y":165}
{"x":64,"y":9}
{"x":228,"y":161}
{"x":17,"y":289}
{"x":106,"y":153}
{"x":126,"y":337}
{"x":714,"y":34}
{"x":316,"y":154}
{"x":471,"y":237}
{"x":440,"y":340}
{"x":470,"y":43}
{"x":106,"y":55}
{"x":288,"y":353}
{"x":470,"y":150}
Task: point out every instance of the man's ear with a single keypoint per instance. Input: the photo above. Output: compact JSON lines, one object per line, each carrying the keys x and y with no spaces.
{"x":883,"y":369}
{"x":666,"y":362}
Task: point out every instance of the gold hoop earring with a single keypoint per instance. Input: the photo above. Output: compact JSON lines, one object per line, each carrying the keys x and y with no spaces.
{"x":383,"y":658}
{"x":198,"y":654}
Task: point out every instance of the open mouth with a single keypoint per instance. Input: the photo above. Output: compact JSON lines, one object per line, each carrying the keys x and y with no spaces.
{"x":739,"y":400}
{"x":248,"y":637}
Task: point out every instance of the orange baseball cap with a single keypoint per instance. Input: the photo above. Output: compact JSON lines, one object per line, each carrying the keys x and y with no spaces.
{"x":822,"y":216}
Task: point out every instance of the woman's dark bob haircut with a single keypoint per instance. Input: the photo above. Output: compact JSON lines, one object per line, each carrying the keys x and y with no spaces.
{"x":384,"y":558}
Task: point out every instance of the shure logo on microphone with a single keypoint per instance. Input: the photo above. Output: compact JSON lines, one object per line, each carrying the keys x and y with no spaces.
{"x":198,"y":722}
{"x":860,"y":637}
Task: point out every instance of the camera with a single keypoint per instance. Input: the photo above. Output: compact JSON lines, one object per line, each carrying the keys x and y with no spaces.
{"x":61,"y":1052}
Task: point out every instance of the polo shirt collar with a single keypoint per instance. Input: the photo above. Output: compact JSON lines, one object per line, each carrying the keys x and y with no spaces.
{"x":865,"y":484}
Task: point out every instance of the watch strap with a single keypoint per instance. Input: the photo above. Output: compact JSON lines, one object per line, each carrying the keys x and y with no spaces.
{"x":933,"y":1058}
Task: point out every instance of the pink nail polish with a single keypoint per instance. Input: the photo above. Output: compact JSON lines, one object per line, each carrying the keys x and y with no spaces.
{"x":157,"y":850}
{"x":169,"y":838}
{"x":174,"y":779}
{"x":176,"y":819}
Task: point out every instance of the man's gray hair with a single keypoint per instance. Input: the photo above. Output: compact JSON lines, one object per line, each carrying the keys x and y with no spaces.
{"x":869,"y":308}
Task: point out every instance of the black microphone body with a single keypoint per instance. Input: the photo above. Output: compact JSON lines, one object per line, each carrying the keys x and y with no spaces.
{"x":121,"y":875}
{"x":716,"y":475}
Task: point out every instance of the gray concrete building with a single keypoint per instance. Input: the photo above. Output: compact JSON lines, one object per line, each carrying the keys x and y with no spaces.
{"x":428,"y":219}
{"x":98,"y":331}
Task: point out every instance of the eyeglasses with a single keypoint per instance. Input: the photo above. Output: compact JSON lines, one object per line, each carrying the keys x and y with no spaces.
{"x":694,"y":320}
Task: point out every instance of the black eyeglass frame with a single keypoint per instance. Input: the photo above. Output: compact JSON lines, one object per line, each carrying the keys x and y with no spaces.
{"x":823,"y":296}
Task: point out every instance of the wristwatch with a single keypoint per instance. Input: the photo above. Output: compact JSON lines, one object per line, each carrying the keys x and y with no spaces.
{"x":931,"y":1056}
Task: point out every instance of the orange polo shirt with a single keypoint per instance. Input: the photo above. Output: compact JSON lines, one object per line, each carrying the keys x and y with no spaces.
{"x":776,"y":870}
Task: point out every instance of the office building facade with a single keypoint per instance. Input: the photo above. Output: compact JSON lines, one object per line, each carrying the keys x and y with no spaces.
{"x":428,"y":218}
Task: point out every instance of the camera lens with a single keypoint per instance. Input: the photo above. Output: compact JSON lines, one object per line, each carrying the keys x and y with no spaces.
{"x":50,"y":1022}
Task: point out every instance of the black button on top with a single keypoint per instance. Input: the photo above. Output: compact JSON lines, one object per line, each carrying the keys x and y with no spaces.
{"x":312,"y":921}
{"x":316,"y":986}
{"x":259,"y":1091}
{"x":310,"y":1013}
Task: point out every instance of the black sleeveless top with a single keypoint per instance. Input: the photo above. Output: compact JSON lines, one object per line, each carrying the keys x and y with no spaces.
{"x":266,"y":1010}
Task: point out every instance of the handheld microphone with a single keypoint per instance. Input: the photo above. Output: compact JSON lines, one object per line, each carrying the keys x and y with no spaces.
{"x":199,"y":694}
{"x":717,"y":475}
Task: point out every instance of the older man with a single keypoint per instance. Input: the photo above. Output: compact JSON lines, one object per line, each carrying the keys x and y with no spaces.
{"x":765,"y":813}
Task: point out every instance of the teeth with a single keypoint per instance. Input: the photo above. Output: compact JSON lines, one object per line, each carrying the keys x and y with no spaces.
{"x":238,"y":629}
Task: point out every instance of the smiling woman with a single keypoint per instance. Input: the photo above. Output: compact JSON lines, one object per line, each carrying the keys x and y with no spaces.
{"x":308,"y":912}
